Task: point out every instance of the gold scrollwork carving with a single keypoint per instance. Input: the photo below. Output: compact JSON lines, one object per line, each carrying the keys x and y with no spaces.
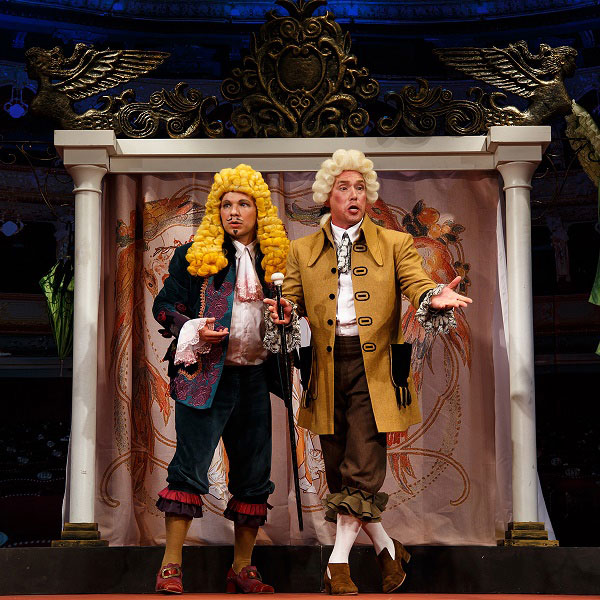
{"x":183,"y":115}
{"x":63,"y":81}
{"x":538,"y":78}
{"x":300,"y":79}
{"x":415,"y":111}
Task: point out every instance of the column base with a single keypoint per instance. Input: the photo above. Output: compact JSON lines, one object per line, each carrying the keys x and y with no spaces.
{"x":79,"y":535}
{"x":527,"y":533}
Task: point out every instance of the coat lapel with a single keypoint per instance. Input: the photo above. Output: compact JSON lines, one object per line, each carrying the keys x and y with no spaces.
{"x":371,"y":237}
{"x":321,"y":243}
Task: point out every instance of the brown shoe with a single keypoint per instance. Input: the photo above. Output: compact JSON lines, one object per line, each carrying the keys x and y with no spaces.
{"x":392,"y":573}
{"x":340,"y":583}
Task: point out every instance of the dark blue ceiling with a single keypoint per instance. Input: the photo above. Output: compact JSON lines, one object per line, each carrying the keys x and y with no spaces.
{"x":207,"y":38}
{"x":364,"y":11}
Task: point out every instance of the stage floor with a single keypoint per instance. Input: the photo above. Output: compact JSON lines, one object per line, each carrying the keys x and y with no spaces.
{"x":296,"y":572}
{"x":310,"y":597}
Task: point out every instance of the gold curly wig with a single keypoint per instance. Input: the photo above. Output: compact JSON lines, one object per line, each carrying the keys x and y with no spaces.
{"x":206,"y":256}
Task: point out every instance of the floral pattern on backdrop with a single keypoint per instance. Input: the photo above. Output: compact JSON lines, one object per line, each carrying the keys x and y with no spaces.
{"x":442,"y":474}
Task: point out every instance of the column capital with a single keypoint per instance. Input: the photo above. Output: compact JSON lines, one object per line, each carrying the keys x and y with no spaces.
{"x":87,"y":178}
{"x":517,"y":174}
{"x":92,"y":147}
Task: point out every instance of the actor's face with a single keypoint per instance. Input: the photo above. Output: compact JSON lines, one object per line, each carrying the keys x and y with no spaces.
{"x":238,"y":215}
{"x":347,"y":199}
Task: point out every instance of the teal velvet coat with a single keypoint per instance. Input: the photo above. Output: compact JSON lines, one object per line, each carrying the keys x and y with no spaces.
{"x":185,"y":297}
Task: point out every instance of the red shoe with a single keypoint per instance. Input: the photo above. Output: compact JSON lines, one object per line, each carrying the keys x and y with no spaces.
{"x":248,"y":581}
{"x":168,"y":579}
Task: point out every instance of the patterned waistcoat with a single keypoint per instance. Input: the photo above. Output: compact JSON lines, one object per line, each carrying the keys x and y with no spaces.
{"x":196,"y":297}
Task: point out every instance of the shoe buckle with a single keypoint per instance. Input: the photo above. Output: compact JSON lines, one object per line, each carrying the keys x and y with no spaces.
{"x":169,"y":572}
{"x":253,"y":574}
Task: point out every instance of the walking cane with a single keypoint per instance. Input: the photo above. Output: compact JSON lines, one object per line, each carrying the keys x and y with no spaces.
{"x":277,"y":279}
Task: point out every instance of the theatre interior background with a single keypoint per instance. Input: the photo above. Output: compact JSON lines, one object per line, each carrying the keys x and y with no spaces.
{"x":205,"y":41}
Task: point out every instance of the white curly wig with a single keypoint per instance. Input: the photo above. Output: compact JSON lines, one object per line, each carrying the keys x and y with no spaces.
{"x":344,"y":160}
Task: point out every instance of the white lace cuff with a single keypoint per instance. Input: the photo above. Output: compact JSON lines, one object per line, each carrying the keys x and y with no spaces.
{"x":189,"y":344}
{"x":272,"y":340}
{"x":435,"y":321}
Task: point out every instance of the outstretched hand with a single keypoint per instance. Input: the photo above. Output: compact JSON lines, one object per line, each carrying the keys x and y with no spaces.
{"x":448,"y":298}
{"x":287,"y":311}
{"x":210,"y":335}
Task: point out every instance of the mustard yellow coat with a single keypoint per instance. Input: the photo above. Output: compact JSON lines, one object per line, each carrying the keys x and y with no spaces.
{"x":385,"y":265}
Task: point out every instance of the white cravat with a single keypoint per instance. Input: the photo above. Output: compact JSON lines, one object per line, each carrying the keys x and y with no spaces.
{"x":247,"y":285}
{"x":246,"y":331}
{"x":345,"y":318}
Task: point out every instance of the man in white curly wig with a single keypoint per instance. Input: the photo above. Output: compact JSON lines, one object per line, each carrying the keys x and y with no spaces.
{"x":348,"y":280}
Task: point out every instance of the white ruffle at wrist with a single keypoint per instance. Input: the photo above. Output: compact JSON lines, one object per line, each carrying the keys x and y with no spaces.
{"x":189,"y":344}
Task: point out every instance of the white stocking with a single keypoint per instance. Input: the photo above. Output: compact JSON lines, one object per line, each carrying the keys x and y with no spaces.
{"x":345,"y":534}
{"x":380,"y":538}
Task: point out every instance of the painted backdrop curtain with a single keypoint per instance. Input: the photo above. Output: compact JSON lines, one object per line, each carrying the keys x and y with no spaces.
{"x":448,"y":478}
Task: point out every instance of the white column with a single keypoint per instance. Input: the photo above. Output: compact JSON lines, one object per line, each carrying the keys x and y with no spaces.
{"x":86,"y":155}
{"x":517,"y":186}
{"x":88,"y":196}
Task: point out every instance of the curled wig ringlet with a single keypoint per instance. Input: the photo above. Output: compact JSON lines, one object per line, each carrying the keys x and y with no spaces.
{"x":340,"y":161}
{"x":206,"y":256}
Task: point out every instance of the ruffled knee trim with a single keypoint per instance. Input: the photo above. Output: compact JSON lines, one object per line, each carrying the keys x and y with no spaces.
{"x":246,"y":513}
{"x":175,"y":502}
{"x":358,"y":503}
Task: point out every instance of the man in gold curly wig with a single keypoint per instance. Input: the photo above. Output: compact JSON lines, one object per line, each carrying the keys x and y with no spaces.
{"x":212,"y":303}
{"x":348,"y":280}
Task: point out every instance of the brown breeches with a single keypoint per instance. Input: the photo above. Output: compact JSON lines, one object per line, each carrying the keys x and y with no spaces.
{"x":355,"y":454}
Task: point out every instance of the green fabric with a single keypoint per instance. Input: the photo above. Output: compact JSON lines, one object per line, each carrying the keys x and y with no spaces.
{"x":595,"y":293}
{"x":358,"y":503}
{"x":58,"y":285}
{"x":581,"y":127}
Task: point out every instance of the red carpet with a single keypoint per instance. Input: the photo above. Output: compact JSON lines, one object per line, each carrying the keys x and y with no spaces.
{"x":308,"y":597}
